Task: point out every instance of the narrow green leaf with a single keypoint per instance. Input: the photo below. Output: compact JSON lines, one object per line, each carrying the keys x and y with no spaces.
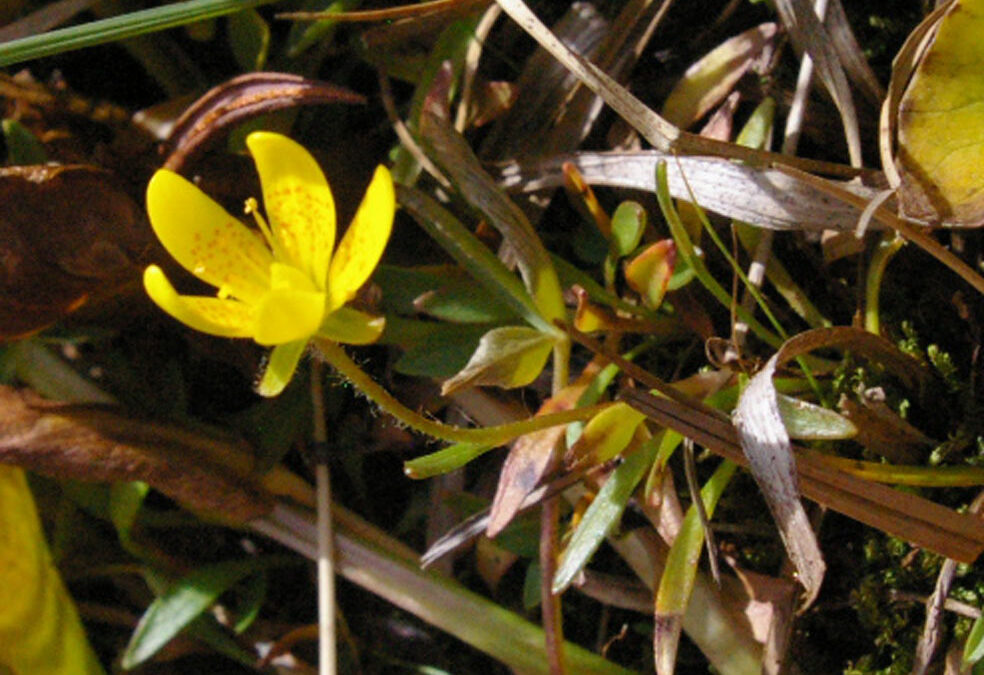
{"x":125,"y":502}
{"x":604,"y":513}
{"x":974,"y":647}
{"x":253,"y":595}
{"x":119,"y":28}
{"x":678,"y":577}
{"x":444,"y":460}
{"x":185,"y":601}
{"x":305,"y":34}
{"x":686,"y":251}
{"x":471,"y":254}
{"x":531,"y":586}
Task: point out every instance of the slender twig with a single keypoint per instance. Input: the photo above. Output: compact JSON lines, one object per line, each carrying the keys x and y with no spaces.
{"x":328,"y":658}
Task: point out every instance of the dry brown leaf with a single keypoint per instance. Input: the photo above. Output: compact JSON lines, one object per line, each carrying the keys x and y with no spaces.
{"x":94,"y":443}
{"x":67,"y":233}
{"x":529,"y":460}
{"x":241,"y":98}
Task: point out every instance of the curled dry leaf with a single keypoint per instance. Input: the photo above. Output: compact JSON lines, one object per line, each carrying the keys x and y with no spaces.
{"x":240,"y":99}
{"x":67,"y":233}
{"x":93,"y":443}
{"x":766,"y":443}
{"x":770,"y":459}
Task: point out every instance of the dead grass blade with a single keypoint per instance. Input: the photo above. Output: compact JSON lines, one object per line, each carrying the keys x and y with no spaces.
{"x":657,"y":131}
{"x":849,"y":52}
{"x":810,"y":35}
{"x":766,"y":197}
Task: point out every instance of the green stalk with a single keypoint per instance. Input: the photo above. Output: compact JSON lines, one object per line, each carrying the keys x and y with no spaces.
{"x":888,"y":246}
{"x":686,"y":250}
{"x":497,"y":435}
{"x":119,"y":28}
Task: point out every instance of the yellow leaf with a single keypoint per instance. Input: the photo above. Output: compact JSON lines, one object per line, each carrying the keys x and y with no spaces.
{"x":507,"y":357}
{"x":606,"y":435}
{"x":940,"y":122}
{"x":40,"y":632}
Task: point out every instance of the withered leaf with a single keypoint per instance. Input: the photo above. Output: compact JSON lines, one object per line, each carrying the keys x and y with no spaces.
{"x":240,"y":99}
{"x":67,"y":233}
{"x":96,"y":443}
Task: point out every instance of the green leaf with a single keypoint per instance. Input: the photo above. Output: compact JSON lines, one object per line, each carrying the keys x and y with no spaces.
{"x":472,"y":255}
{"x":119,"y":28}
{"x":305,"y":34}
{"x":431,"y":349}
{"x":974,"y":647}
{"x":531,"y":586}
{"x":254,"y":593}
{"x":677,"y":583}
{"x":23,"y":147}
{"x":808,"y":421}
{"x":185,"y":601}
{"x":606,"y":435}
{"x":125,"y":502}
{"x":507,"y":357}
{"x":444,"y":292}
{"x":444,"y":460}
{"x":249,"y":38}
{"x":628,"y":224}
{"x":604,"y":513}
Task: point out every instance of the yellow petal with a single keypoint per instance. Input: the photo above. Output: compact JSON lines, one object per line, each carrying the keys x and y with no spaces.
{"x":350,"y":326}
{"x":297,"y":201}
{"x":215,"y":316}
{"x":287,"y":315}
{"x":364,"y":242}
{"x":280,"y":368}
{"x":205,"y":239}
{"x":284,"y":277}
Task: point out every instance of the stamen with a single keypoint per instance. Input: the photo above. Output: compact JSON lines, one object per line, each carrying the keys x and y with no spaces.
{"x":252,"y":208}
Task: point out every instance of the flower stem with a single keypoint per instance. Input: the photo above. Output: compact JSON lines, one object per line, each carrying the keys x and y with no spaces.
{"x":497,"y":435}
{"x":327,"y":655}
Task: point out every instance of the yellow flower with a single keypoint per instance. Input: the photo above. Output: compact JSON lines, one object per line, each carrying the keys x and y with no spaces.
{"x":281,"y":285}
